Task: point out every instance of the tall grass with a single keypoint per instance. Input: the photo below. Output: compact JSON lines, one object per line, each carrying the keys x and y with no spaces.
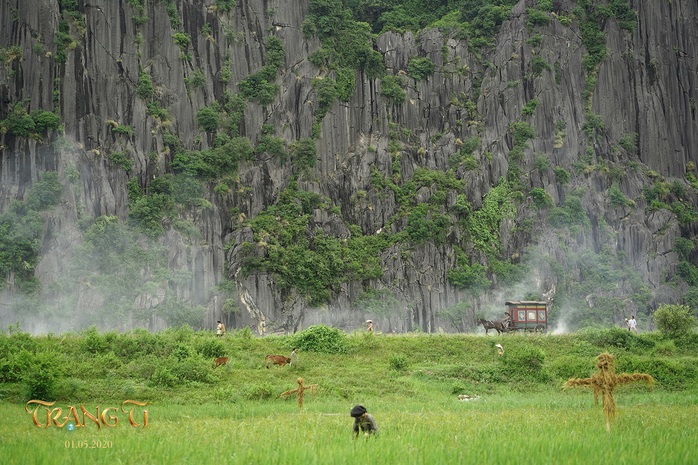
{"x":233,"y":414}
{"x":551,"y":427}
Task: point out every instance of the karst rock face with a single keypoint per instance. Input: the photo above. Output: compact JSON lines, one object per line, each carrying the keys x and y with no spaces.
{"x":646,"y":85}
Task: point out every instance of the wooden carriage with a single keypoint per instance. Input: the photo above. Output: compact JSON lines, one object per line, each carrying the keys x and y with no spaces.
{"x":528,"y":315}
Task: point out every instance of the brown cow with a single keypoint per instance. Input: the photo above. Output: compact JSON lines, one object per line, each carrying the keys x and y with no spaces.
{"x":220,"y":361}
{"x":279,"y":360}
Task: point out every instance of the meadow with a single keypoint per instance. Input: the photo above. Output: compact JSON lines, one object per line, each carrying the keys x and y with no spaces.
{"x":518,"y":412}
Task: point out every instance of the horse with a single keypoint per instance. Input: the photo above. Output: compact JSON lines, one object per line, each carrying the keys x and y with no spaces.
{"x":492,"y":324}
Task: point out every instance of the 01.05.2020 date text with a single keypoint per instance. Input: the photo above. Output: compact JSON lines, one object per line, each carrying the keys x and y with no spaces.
{"x":88,"y":444}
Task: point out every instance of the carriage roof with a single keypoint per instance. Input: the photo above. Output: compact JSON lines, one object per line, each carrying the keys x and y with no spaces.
{"x":526,"y":302}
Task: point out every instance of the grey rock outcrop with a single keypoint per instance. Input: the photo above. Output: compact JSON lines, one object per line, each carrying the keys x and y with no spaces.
{"x":646,"y":85}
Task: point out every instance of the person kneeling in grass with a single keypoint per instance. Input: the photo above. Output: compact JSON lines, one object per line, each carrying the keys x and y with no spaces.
{"x":363,"y":422}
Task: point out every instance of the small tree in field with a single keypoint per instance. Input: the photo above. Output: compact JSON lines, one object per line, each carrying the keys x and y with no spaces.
{"x":674,"y":320}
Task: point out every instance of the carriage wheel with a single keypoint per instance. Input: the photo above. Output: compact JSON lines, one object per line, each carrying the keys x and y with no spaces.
{"x":540,"y":329}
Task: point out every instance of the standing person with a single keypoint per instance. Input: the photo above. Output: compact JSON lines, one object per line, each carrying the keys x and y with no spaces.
{"x":369,"y":326}
{"x":632,"y":324}
{"x":220,"y":329}
{"x":363,"y":422}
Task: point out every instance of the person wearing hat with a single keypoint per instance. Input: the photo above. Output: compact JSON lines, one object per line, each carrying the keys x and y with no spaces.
{"x":363,"y":422}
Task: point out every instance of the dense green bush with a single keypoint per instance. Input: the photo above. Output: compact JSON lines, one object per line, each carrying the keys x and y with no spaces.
{"x":42,"y":375}
{"x":272,"y":145}
{"x":391,"y":89}
{"x":420,"y":67}
{"x":617,"y":198}
{"x":192,"y":367}
{"x":483,"y":19}
{"x":346,"y":81}
{"x":255,"y":87}
{"x":536,"y":18}
{"x":187,"y":190}
{"x":121,"y":159}
{"x":163,"y":377}
{"x":93,"y":341}
{"x":327,"y":94}
{"x":14,"y":364}
{"x":19,"y":122}
{"x":148,"y":212}
{"x":538,"y":65}
{"x":208,"y":118}
{"x":525,"y":362}
{"x":541,"y":199}
{"x":562,"y":175}
{"x":303,"y":153}
{"x":346,"y":43}
{"x":259,"y":86}
{"x":571,"y":213}
{"x":138,"y":343}
{"x":323,"y":339}
{"x":571,"y":366}
{"x":674,"y":320}
{"x":182,"y":39}
{"x":45,"y":120}
{"x":616,"y":338}
{"x":398,"y":362}
{"x":425,"y":222}
{"x":670,"y":373}
{"x":522,"y":132}
{"x":181,"y":352}
{"x":469,"y":276}
{"x":211,"y":348}
{"x":46,"y":193}
{"x":145,"y":88}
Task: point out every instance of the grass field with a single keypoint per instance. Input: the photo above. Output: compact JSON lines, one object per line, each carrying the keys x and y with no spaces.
{"x":542,"y":428}
{"x":409,"y":383}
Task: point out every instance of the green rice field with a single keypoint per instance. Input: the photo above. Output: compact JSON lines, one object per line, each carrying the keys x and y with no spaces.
{"x":517,"y":412}
{"x":543,"y":428}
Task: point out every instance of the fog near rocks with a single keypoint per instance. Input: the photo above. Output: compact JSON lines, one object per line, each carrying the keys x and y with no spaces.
{"x":152,"y":227}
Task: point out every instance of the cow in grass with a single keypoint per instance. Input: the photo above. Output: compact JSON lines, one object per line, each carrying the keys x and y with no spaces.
{"x":220,"y":361}
{"x":279,"y":360}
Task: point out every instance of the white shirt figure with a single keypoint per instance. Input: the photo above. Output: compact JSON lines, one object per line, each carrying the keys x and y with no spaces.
{"x":632,"y":324}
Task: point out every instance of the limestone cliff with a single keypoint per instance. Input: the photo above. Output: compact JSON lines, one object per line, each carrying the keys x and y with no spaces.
{"x":615,"y":140}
